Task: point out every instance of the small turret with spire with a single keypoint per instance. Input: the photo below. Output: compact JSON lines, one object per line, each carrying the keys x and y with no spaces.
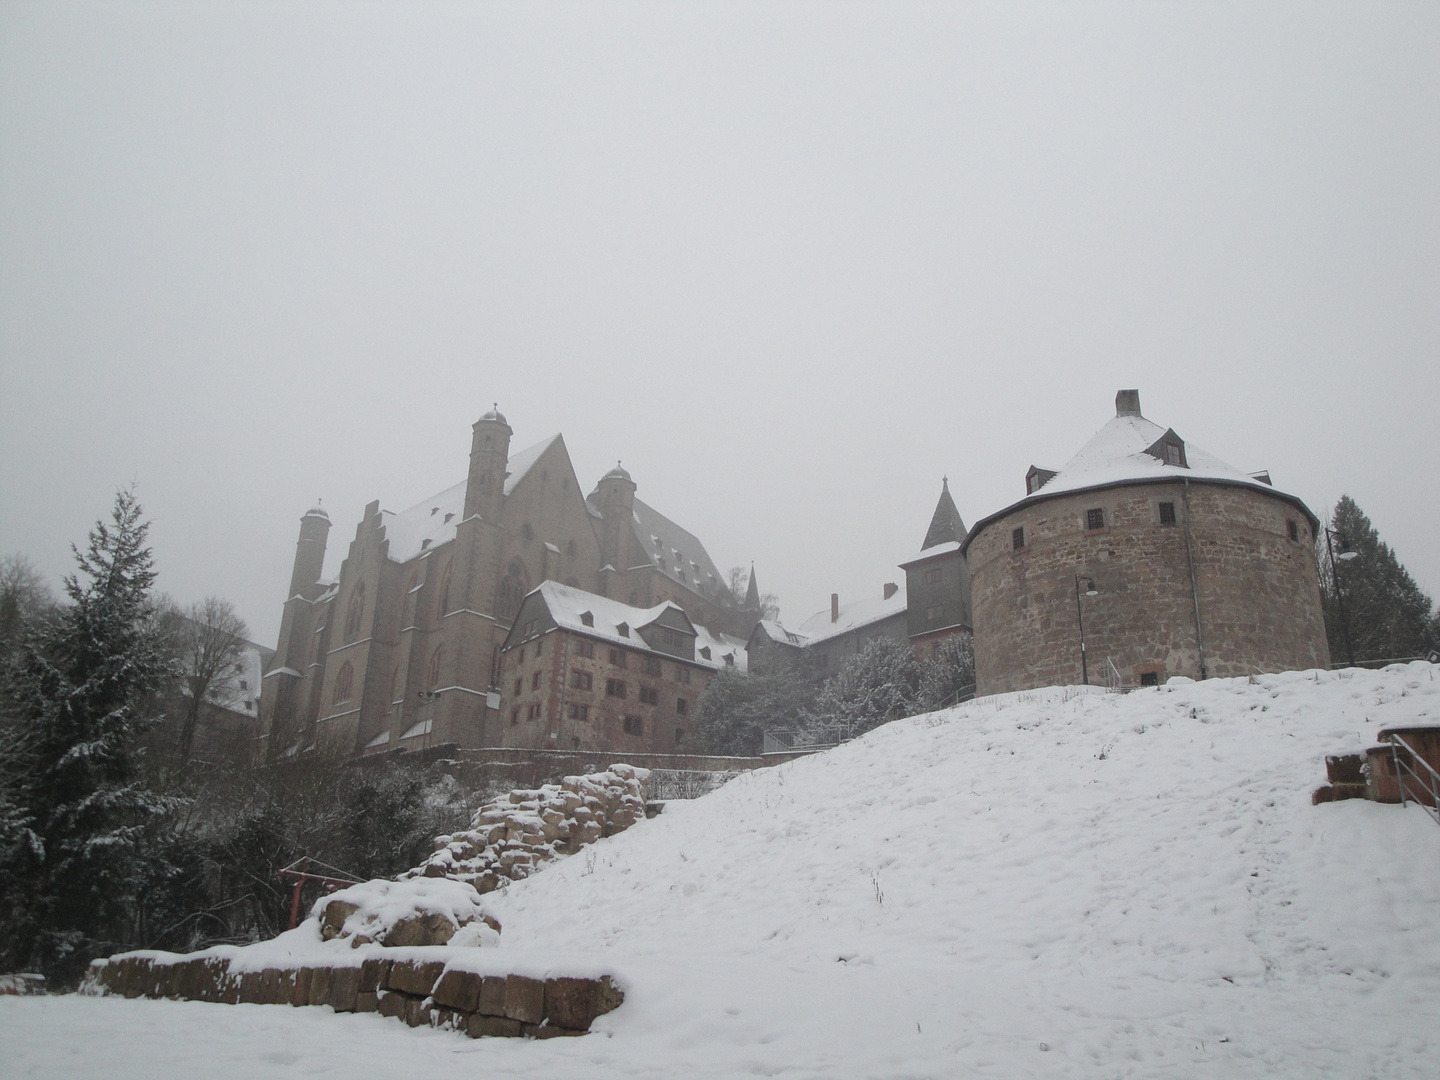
{"x":489,"y":455}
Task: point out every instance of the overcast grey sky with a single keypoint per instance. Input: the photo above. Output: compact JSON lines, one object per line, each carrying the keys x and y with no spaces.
{"x":791,"y":262}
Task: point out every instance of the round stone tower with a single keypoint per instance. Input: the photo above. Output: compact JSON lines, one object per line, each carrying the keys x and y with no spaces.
{"x":1143,"y":558}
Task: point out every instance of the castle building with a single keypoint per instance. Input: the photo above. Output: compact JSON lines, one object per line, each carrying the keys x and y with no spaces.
{"x":404,"y":648}
{"x":1143,"y":558}
{"x":583,"y":672}
{"x":934,"y":604}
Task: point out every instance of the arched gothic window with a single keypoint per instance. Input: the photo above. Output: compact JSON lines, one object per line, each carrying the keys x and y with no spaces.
{"x":343,"y":683}
{"x":444,"y":605}
{"x":432,"y":673}
{"x":513,"y":587}
{"x":355,"y":614}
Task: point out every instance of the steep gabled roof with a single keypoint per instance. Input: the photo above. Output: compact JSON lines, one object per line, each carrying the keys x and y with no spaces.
{"x":569,"y":607}
{"x":522,"y":462}
{"x":946,"y":525}
{"x":677,"y":552}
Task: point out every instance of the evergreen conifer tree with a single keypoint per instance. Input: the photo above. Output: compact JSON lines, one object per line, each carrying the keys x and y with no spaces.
{"x":1389,"y":616}
{"x":73,"y":855}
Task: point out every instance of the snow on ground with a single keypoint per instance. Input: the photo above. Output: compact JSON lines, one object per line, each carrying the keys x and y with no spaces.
{"x":1059,"y":883}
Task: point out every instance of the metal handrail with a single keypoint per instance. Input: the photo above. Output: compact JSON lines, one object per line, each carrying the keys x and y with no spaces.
{"x":1430,"y":784}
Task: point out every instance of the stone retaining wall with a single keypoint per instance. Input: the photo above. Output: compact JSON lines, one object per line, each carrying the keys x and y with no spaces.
{"x":423,"y":993}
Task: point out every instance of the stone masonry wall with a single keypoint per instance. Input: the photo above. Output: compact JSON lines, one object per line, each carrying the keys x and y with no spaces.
{"x":1258,"y":590}
{"x":417,"y":989}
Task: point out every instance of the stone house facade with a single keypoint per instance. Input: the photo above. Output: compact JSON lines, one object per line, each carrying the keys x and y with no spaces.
{"x":403,"y":649}
{"x":1149,"y":556}
{"x":583,"y":672}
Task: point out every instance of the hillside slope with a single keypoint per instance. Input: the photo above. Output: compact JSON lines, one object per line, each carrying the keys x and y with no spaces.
{"x":1059,"y":883}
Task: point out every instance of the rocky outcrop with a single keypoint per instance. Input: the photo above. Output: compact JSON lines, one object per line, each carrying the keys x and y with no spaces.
{"x":422,"y":992}
{"x":405,"y":914}
{"x":513,"y":836}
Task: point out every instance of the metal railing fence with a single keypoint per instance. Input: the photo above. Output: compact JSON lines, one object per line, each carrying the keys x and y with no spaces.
{"x":1426,"y":780}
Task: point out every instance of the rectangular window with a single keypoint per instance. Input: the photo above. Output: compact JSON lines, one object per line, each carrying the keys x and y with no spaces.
{"x":515,"y":716}
{"x":585,"y":648}
{"x":615,"y":688}
{"x":1294,"y":529}
{"x":539,"y":645}
{"x":534,"y":712}
{"x":651,"y":665}
{"x":682,"y":706}
{"x":579,"y":712}
{"x":934,"y":576}
{"x":1017,"y":539}
{"x":617,"y":657}
{"x":679,"y":735}
{"x":1150,"y":678}
{"x":519,"y":685}
{"x":682,"y":674}
{"x":535,"y":681}
{"x":1167,"y":513}
{"x":1095,"y":519}
{"x":648,"y":696}
{"x":633,"y":726}
{"x":521,"y":659}
{"x":580,"y":680}
{"x":1172,"y":455}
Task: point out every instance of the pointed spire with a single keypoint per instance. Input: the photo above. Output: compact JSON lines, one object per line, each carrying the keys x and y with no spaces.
{"x":752,"y":594}
{"x":946,"y":525}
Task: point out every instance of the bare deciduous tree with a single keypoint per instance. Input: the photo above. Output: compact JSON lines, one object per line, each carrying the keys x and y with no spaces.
{"x":209,"y":642}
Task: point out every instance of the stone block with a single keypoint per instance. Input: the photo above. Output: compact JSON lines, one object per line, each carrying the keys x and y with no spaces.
{"x":574,"y":1003}
{"x":431,"y":928}
{"x":250,"y":987}
{"x":1345,"y":768}
{"x":395,"y":1004}
{"x":332,"y":920}
{"x":373,"y":975}
{"x":524,"y":999}
{"x":458,"y":990}
{"x":480,"y":1026}
{"x":344,"y":989}
{"x":270,"y":982}
{"x":319,"y":987}
{"x":415,"y":977}
{"x":492,"y":996}
{"x":367,"y":1002}
{"x":300,"y":988}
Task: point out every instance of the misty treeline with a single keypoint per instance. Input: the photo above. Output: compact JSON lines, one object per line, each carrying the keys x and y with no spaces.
{"x":112,"y":835}
{"x":1386,"y":614}
{"x":787,"y":691}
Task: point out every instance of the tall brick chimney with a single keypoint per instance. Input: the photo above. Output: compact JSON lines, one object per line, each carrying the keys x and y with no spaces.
{"x":1127,"y":403}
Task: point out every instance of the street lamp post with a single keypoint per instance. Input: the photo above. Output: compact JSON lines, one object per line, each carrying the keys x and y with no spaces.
{"x":1090,"y":590}
{"x":1346,"y":554}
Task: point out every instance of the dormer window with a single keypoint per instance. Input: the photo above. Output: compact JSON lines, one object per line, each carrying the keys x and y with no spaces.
{"x":587,"y":618}
{"x":449,"y":518}
{"x":705,"y":651}
{"x":1036,"y":478}
{"x":623,"y":629}
{"x":1170,"y":449}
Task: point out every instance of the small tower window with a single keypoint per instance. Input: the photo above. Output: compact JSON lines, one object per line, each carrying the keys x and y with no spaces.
{"x":1167,"y":513}
{"x":1017,"y":539}
{"x":1095,"y":519}
{"x":1294,"y":529}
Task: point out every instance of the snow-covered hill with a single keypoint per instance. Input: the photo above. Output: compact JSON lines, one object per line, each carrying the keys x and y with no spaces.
{"x":1057,"y":883}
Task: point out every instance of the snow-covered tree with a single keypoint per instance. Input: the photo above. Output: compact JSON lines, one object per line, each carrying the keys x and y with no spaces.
{"x":878,"y":684}
{"x":1389,"y":616}
{"x":736,"y":710}
{"x":73,"y":852}
{"x":948,"y":678}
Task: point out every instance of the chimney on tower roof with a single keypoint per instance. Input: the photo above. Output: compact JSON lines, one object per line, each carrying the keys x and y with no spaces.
{"x":1127,"y":403}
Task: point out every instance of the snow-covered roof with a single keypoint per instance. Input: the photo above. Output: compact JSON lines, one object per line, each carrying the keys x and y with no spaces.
{"x":676,"y":551}
{"x":1121,"y":453}
{"x":431,"y":522}
{"x":777,"y":632}
{"x":568,"y":607}
{"x":853,"y":616}
{"x":425,"y":525}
